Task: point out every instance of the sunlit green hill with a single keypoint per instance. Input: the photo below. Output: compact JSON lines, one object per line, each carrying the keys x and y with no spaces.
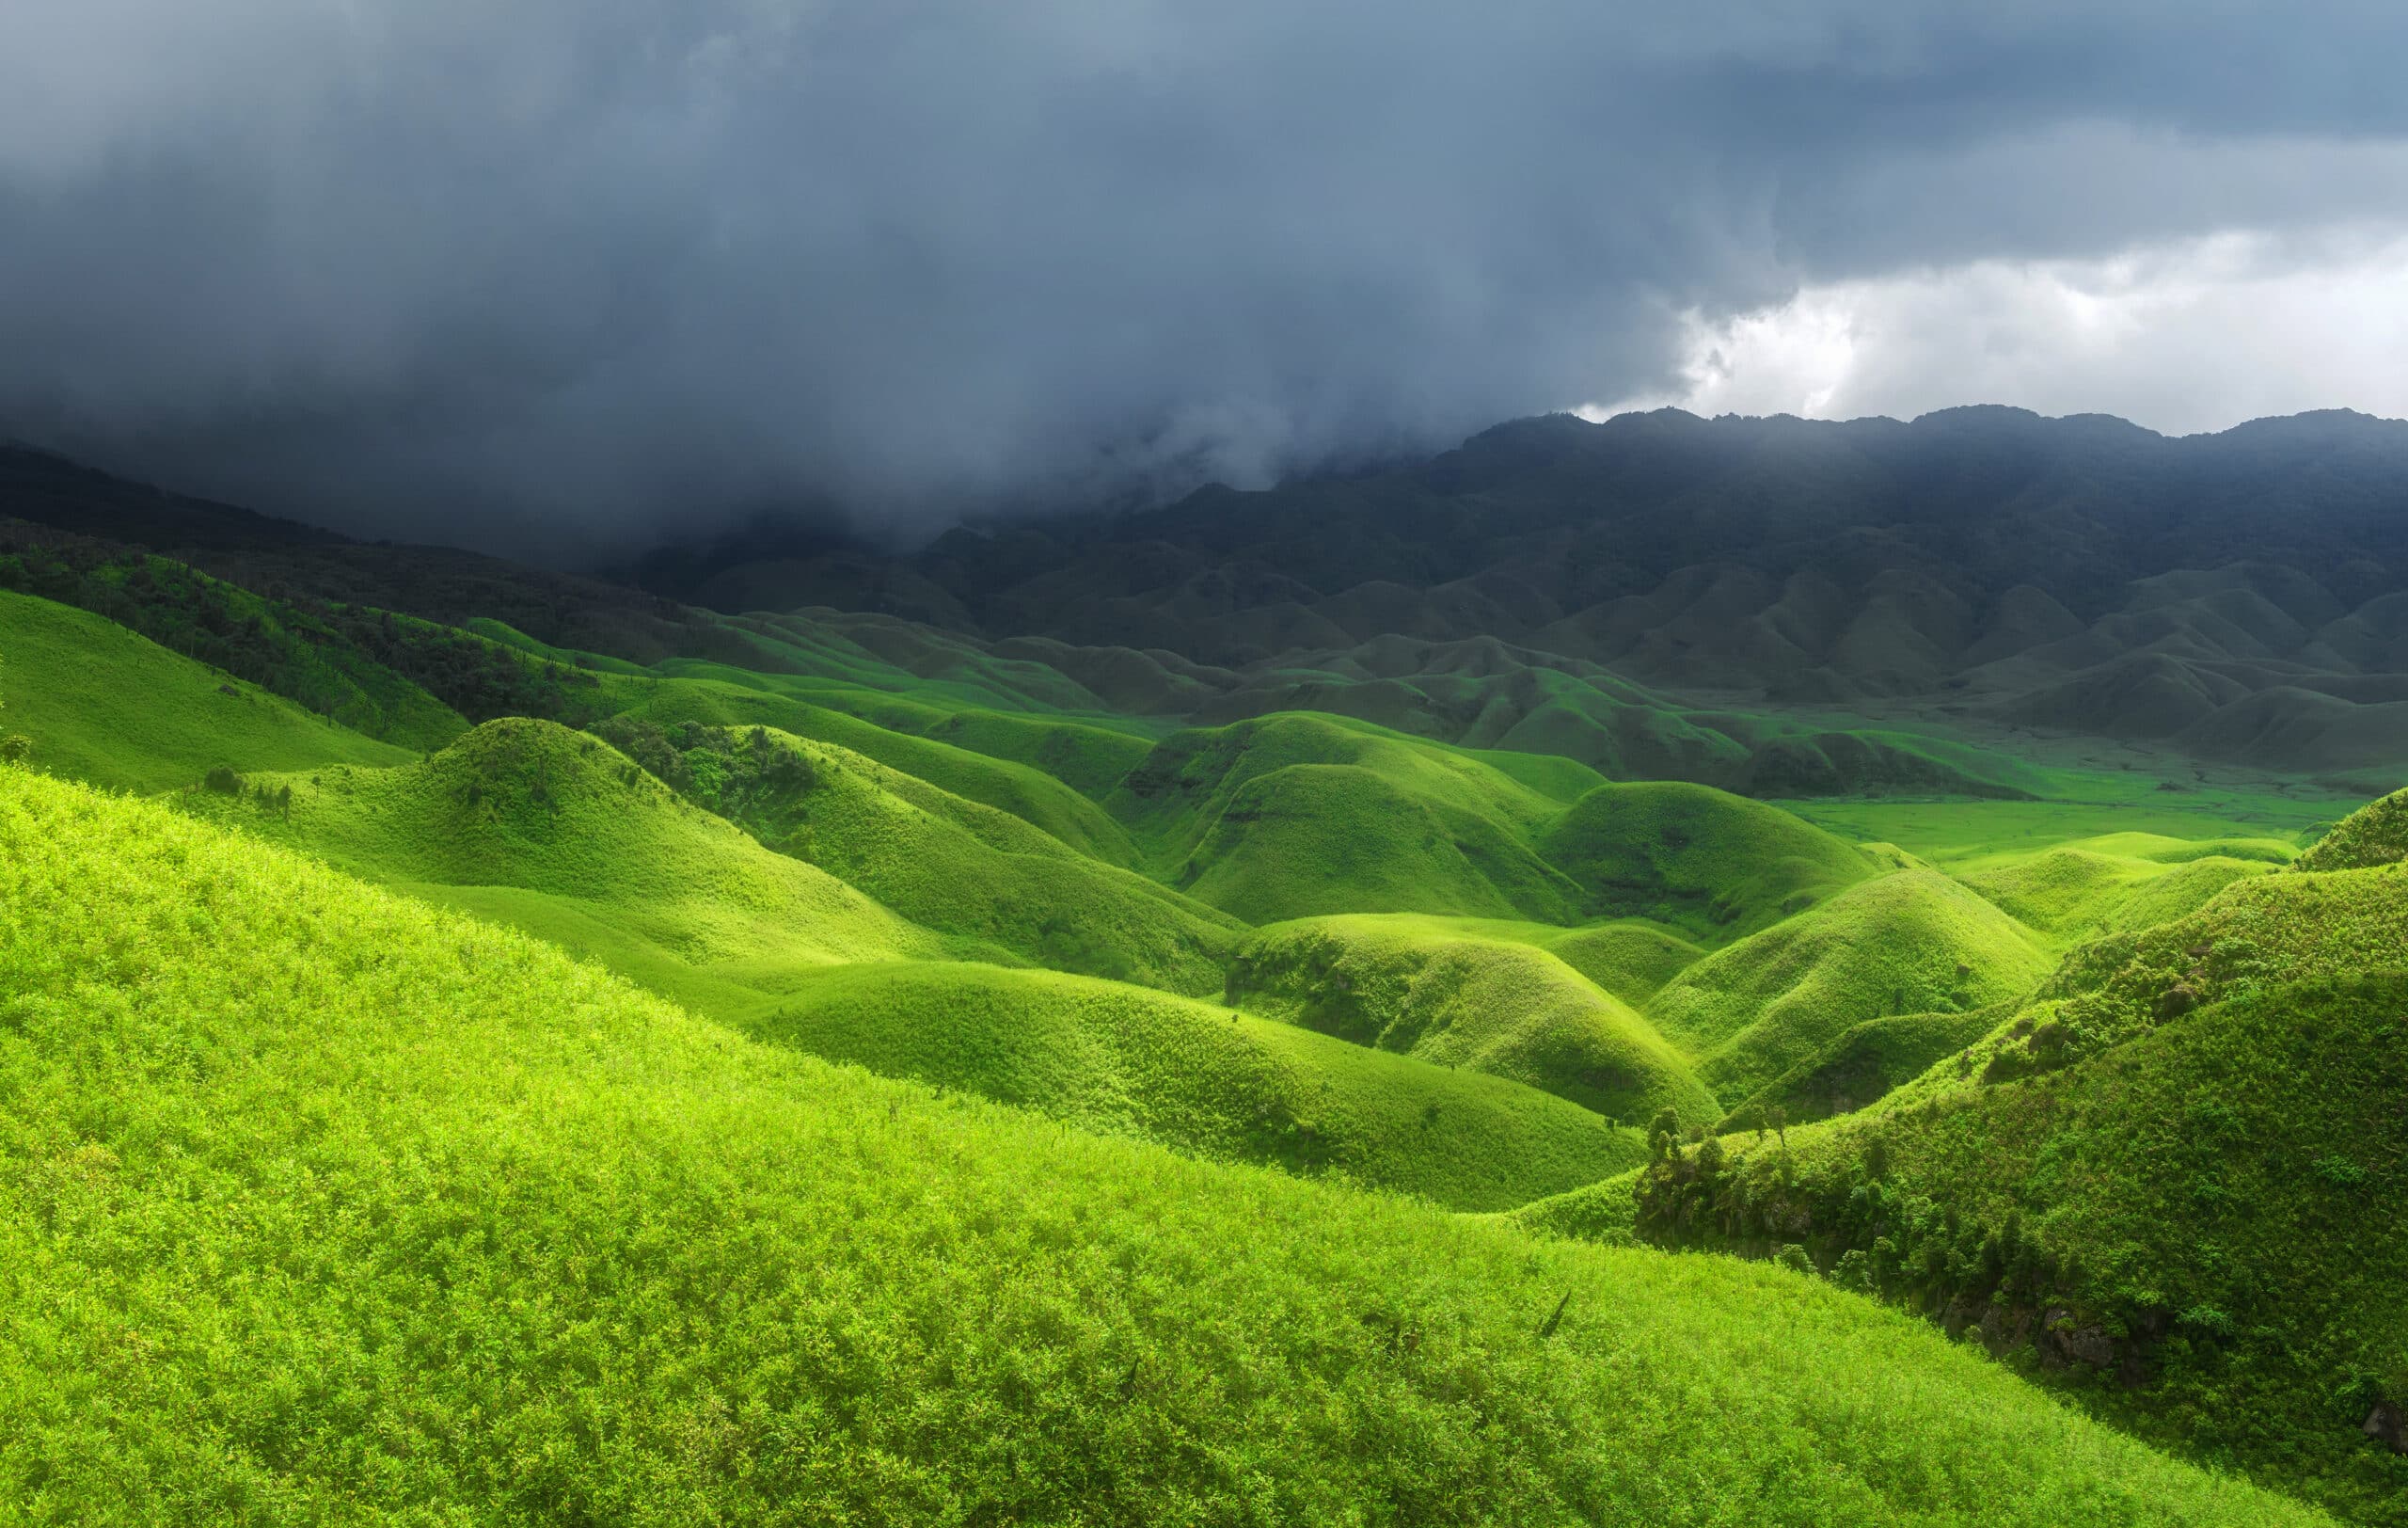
{"x":1004,"y":782}
{"x":327,"y":1206}
{"x":1296,"y":816}
{"x":101,"y":704}
{"x":1423,"y":987}
{"x":557,"y":832}
{"x":1125,"y":1061}
{"x":1908,"y":942}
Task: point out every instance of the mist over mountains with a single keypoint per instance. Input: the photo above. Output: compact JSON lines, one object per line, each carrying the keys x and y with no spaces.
{"x":592,"y":270}
{"x":2238,"y":595}
{"x":1623,"y":593}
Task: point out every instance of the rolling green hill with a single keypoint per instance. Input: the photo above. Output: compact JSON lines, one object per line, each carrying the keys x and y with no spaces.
{"x":2085,"y":890}
{"x":1121,"y":1060}
{"x":947,"y":863}
{"x":330,"y":1206}
{"x":2374,"y":835}
{"x":555,"y":832}
{"x":101,"y":703}
{"x":1909,"y":942}
{"x":1296,"y":816}
{"x":1418,"y":987}
{"x":1697,"y":858}
{"x":1004,"y":784}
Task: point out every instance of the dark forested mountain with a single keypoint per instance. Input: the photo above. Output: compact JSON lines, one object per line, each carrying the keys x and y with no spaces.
{"x":1754,"y":603}
{"x":2240,"y":595}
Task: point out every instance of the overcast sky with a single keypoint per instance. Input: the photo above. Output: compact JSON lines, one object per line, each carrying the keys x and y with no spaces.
{"x":557,"y":274}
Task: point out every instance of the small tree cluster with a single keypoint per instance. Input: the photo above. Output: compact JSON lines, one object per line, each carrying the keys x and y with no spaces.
{"x":736,"y":773}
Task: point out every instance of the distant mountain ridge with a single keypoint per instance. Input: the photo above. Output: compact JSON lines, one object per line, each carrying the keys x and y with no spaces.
{"x":2241,"y":596}
{"x":1756,"y":603}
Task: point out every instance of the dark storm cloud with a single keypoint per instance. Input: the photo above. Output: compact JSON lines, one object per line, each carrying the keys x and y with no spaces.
{"x":577,"y":271}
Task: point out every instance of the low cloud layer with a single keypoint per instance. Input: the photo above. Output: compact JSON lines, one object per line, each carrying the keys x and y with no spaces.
{"x":563,"y":276}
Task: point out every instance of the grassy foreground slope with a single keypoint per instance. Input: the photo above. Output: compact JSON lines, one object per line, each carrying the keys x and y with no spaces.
{"x":1418,"y":986}
{"x":1123,"y":1061}
{"x":104,"y":705}
{"x":328,"y":1206}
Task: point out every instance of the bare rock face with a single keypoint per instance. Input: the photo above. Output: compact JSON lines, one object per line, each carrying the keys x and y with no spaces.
{"x":2061,"y":1342}
{"x":2386,"y":1423}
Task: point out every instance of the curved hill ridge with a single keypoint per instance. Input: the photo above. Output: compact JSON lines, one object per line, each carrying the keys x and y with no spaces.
{"x":105,"y":705}
{"x":559,"y":832}
{"x":2375,"y":835}
{"x":1910,"y":942}
{"x":954,"y":866}
{"x":1421,"y":987}
{"x":1121,"y":1060}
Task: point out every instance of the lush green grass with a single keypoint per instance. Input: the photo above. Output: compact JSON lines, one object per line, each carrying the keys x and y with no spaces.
{"x":1121,"y":1060}
{"x":2179,"y":1162}
{"x":1088,"y":756}
{"x":1861,"y":1063}
{"x":2109,"y":885}
{"x":333,"y":1207}
{"x":1957,"y":834}
{"x":1296,"y":815}
{"x":2195,"y":1232}
{"x":1419,"y":987}
{"x":935,"y":803}
{"x":1630,"y":958}
{"x":556,"y":832}
{"x":1909,"y":942}
{"x":1701,"y":859}
{"x":1606,"y":1211}
{"x":947,"y":863}
{"x":2264,"y":929}
{"x":1316,"y":838}
{"x":2376,"y":833}
{"x":336,"y":662}
{"x":1007,"y":786}
{"x":101,"y":703}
